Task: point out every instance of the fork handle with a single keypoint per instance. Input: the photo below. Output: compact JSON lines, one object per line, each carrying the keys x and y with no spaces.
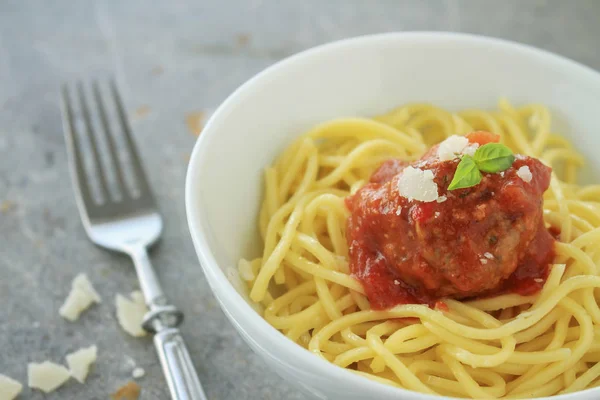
{"x":177,"y":366}
{"x":162,"y":320}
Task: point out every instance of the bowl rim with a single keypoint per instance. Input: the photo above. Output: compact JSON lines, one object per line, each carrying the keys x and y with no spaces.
{"x":222,"y":288}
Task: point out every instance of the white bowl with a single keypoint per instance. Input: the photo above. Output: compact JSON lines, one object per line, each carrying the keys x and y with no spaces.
{"x":361,"y":76}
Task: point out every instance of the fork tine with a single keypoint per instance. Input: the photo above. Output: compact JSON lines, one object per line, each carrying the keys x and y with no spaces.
{"x":73,"y":145}
{"x":110,"y":139}
{"x":93,"y":143}
{"x":141,"y":180}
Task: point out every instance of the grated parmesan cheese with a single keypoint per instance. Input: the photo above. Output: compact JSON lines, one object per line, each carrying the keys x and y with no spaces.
{"x":396,"y":282}
{"x":483,"y":261}
{"x":9,"y":388}
{"x":46,"y":376}
{"x":525,"y":173}
{"x":79,"y":362}
{"x":452,"y":147}
{"x":414,"y":183}
{"x":130,"y":313}
{"x":441,"y":199}
{"x":82,"y":296}
{"x":488,"y":255}
{"x":470,"y":149}
{"x":437,"y":214}
{"x":399,"y":210}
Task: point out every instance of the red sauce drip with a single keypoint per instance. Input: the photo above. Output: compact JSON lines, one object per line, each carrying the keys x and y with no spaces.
{"x":483,"y":240}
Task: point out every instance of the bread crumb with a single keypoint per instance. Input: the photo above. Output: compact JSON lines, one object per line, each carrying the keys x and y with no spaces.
{"x":242,"y":39}
{"x":138,"y":373}
{"x":6,"y":206}
{"x":195,"y":122}
{"x":141,"y":112}
{"x":129,"y":391}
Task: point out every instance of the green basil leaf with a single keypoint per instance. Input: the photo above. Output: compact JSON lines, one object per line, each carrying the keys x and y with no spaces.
{"x":493,"y":157}
{"x":467,"y":174}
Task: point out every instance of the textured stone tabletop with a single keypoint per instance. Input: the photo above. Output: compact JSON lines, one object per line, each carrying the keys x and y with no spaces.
{"x":171,"y":59}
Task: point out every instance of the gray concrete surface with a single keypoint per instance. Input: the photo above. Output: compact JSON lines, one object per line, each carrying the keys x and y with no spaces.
{"x":175,"y":57}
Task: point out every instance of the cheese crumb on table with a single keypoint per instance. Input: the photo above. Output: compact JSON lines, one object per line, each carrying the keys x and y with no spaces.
{"x":82,"y":295}
{"x":130,"y":313}
{"x":46,"y":376}
{"x":9,"y":388}
{"x":79,"y":362}
{"x":138,"y":372}
{"x":417,"y":184}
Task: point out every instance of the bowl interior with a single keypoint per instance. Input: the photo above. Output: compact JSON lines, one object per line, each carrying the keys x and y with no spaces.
{"x":361,"y":77}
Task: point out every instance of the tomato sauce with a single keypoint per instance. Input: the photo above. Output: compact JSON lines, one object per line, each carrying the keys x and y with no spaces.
{"x":532,"y":271}
{"x":476,"y":241}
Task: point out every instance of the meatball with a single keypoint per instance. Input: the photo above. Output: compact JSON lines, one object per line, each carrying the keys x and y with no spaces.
{"x":466,"y":243}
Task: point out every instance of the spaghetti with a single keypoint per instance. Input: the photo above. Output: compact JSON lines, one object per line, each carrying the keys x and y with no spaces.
{"x":505,"y":346}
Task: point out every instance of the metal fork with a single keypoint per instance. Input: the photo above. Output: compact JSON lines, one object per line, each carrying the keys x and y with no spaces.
{"x":128,"y":225}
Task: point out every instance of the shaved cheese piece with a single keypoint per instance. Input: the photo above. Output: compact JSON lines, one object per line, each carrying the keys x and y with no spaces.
{"x":525,"y":173}
{"x":450,"y":148}
{"x":9,"y":388}
{"x":82,"y":295}
{"x":488,"y":255}
{"x":483,"y":261}
{"x":414,"y":183}
{"x":46,"y":376}
{"x":130,"y":313}
{"x":79,"y":362}
{"x":441,"y":199}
